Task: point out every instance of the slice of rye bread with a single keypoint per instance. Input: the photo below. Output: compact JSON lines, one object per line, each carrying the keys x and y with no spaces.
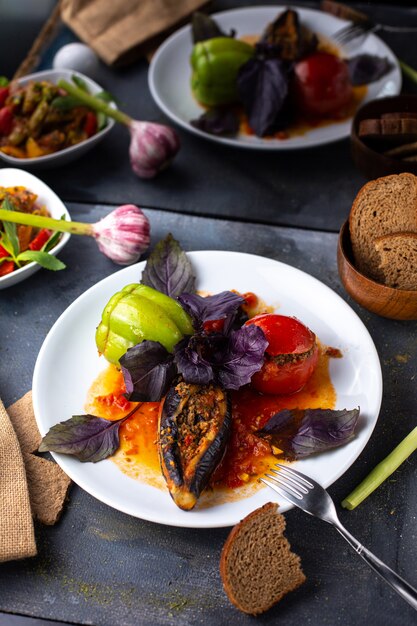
{"x":398,"y":260}
{"x":256,"y":565}
{"x":382,"y":207}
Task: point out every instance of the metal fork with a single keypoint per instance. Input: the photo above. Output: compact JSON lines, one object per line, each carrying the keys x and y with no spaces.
{"x":360,"y":30}
{"x":308,"y":495}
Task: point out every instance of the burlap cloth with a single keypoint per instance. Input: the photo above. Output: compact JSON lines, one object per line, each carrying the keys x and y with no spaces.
{"x":120,"y":31}
{"x":30,"y":486}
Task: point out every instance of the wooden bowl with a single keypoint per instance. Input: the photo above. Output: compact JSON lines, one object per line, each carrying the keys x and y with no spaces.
{"x":368,"y":160}
{"x":397,"y":304}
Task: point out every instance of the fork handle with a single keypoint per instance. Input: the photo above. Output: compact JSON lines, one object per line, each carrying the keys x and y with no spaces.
{"x":401,"y":586}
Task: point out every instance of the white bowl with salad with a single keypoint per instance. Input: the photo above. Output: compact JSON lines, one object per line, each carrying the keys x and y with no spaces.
{"x":24,"y":191}
{"x":44,"y":126}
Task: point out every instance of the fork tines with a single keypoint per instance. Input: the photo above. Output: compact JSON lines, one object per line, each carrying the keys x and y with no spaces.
{"x":288,"y":483}
{"x":351,"y":32}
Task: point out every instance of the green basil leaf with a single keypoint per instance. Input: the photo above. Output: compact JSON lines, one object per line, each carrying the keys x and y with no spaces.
{"x":80,"y":82}
{"x":101,"y":120}
{"x":10,"y":228}
{"x":51,"y":243}
{"x":105,"y":95}
{"x":66,"y":103}
{"x":5,"y":258}
{"x":4,"y":81}
{"x":53,"y":239}
{"x":46,"y":260}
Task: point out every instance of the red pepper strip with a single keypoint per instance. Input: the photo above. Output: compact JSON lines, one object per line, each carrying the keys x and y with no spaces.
{"x":4,"y":92}
{"x":90,"y":124}
{"x":3,"y":252}
{"x":6,"y":268}
{"x":6,"y":120}
{"x":40,"y":240}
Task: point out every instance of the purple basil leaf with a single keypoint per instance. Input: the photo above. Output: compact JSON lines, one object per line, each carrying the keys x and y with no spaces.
{"x":148,"y":370}
{"x":86,"y":437}
{"x":217,"y":122}
{"x":204,"y":27}
{"x":244,"y":356}
{"x":367,"y":68}
{"x":191,"y":362}
{"x":168,"y":269}
{"x":262,"y":85}
{"x":301,"y":432}
{"x":217,"y":307}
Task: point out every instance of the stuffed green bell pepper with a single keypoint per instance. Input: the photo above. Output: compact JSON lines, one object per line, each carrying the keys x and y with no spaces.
{"x":215,"y":63}
{"x":136,"y":313}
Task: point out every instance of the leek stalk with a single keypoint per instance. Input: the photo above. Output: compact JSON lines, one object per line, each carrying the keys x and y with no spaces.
{"x":382,"y":471}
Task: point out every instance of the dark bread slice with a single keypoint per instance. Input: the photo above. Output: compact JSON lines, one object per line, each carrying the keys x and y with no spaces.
{"x":398,"y":260}
{"x":388,"y":131}
{"x":383,"y":206}
{"x":399,"y":115}
{"x":406,"y":149}
{"x":256,"y":565}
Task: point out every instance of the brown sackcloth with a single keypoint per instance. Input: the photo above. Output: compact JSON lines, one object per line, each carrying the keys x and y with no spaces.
{"x":17,"y":539}
{"x":48,"y":484}
{"x":120,"y":31}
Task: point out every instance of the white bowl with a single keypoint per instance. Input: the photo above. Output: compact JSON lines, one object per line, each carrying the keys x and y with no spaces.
{"x":11,"y":177}
{"x":73,"y":152}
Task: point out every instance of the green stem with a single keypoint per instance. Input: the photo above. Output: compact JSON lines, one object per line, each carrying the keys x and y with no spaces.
{"x":408,"y":71}
{"x":94,"y":103}
{"x":382,"y":471}
{"x":17,"y":217}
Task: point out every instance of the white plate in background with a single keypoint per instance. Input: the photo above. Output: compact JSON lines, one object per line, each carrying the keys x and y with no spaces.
{"x":170,"y":73}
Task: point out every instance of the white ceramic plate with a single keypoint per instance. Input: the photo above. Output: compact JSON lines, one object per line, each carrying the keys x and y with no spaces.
{"x":170,"y":73}
{"x":68,"y":363}
{"x":67,"y":155}
{"x":10,"y":177}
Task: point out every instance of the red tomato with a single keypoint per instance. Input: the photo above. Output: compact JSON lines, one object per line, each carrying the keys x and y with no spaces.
{"x":4,"y":92}
{"x":40,"y":240}
{"x":6,"y":268}
{"x":321,"y":84}
{"x":6,"y":120}
{"x":90,"y":124}
{"x":290,"y":358}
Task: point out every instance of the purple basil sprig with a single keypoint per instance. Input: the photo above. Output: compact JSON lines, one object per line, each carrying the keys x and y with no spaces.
{"x":220,"y":306}
{"x":87,"y":437}
{"x":263,"y":85}
{"x":301,"y":432}
{"x":367,"y":68}
{"x":148,"y":370}
{"x":168,"y":269}
{"x":229,"y":361}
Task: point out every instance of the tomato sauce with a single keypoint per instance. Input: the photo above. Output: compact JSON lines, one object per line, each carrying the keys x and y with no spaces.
{"x":247,"y":456}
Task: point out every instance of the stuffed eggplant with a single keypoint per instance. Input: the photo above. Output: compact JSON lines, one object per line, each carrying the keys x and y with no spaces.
{"x":194,"y":426}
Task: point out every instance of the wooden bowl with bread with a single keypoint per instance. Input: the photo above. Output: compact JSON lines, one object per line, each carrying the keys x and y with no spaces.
{"x":384,"y":136}
{"x":377,"y":248}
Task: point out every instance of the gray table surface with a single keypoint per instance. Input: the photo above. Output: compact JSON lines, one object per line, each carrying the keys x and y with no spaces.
{"x":99,"y":566}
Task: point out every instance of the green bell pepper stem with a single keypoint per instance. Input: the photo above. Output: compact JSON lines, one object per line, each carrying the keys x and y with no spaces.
{"x":382,"y":471}
{"x":408,"y":71}
{"x":39,"y":221}
{"x":95,"y":103}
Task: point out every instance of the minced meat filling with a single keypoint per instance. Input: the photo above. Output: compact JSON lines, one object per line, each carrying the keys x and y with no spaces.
{"x":281,"y":359}
{"x":200,"y":412}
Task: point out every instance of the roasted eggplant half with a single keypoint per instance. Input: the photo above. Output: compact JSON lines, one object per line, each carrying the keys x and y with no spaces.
{"x":293,"y":40}
{"x":194,"y":426}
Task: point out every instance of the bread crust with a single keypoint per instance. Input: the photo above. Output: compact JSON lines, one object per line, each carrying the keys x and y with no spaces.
{"x":383,"y":206}
{"x":249,"y":526}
